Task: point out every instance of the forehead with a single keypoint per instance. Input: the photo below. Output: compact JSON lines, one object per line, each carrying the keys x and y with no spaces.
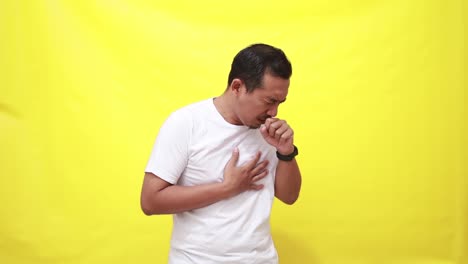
{"x":273,"y":86}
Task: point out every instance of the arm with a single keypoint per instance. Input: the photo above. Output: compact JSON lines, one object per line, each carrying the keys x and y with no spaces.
{"x":288,"y":176}
{"x":161,"y":197}
{"x":287,"y":181}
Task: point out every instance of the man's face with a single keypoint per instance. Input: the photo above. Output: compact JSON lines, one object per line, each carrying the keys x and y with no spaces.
{"x":254,"y":108}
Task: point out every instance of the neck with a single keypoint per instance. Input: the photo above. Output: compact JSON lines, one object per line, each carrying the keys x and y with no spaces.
{"x":224,"y":107}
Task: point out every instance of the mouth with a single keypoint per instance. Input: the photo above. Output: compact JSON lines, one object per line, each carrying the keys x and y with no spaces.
{"x":263,"y":119}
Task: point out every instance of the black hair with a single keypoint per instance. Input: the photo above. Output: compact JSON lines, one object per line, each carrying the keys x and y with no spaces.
{"x":251,"y":64}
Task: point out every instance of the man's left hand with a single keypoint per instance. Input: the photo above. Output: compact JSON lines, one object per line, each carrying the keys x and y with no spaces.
{"x":278,"y":134}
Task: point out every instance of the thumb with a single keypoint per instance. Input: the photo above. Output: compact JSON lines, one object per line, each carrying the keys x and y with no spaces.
{"x":263,"y":131}
{"x":234,"y":158}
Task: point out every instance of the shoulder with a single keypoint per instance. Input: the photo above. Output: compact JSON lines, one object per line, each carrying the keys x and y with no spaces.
{"x":204,"y":105}
{"x":187,"y":115}
{"x":193,"y":110}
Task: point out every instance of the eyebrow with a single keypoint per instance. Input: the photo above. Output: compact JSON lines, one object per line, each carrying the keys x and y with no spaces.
{"x":276,"y":101}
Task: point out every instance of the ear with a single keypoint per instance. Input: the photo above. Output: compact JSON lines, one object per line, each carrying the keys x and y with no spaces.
{"x":236,"y":86}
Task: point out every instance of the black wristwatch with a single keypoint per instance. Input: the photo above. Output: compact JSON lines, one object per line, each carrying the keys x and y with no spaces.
{"x":288,"y":157}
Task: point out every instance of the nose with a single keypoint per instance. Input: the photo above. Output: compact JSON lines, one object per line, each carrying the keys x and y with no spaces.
{"x":273,"y":111}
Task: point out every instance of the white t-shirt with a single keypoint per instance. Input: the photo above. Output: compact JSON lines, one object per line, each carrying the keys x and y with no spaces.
{"x":192,"y":148}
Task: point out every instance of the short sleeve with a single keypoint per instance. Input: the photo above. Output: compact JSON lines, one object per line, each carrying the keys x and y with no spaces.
{"x":170,"y":151}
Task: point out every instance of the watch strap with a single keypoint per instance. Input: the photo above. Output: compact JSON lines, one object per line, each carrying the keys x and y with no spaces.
{"x":288,"y":157}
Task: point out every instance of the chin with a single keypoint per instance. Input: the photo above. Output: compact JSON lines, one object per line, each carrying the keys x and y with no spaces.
{"x":255,"y":126}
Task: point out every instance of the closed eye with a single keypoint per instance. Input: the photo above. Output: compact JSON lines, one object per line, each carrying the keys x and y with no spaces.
{"x":272,"y":101}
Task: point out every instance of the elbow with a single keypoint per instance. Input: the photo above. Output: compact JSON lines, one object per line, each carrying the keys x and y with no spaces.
{"x":151,"y":207}
{"x":147,"y":211}
{"x":147,"y":207}
{"x":290,"y":200}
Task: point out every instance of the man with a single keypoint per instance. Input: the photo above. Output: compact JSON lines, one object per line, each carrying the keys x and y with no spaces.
{"x":218,"y":164}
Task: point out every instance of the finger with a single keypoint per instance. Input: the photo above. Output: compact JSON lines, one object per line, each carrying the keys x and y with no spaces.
{"x":286,"y":136}
{"x":274,"y":126}
{"x":269,"y":121}
{"x":251,"y":164}
{"x":256,"y":187}
{"x":260,"y":176}
{"x":234,"y":158}
{"x":263,"y":131}
{"x":278,"y":123}
{"x":259,"y":168}
{"x":280,"y":131}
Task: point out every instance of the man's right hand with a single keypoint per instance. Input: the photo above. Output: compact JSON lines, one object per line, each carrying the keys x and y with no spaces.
{"x":243,"y":178}
{"x":161,"y":197}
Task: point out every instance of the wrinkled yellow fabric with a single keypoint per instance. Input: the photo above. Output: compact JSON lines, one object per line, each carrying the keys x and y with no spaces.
{"x":377,"y":102}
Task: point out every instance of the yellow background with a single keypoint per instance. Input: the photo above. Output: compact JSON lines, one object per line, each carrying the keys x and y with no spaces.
{"x":377,"y":101}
